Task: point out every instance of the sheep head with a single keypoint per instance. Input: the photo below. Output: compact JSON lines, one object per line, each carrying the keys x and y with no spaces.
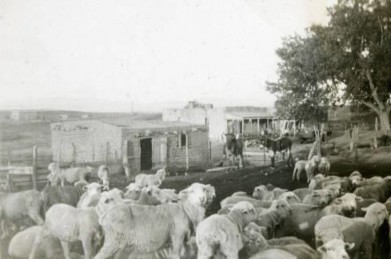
{"x":260,"y":192}
{"x":335,"y":249}
{"x":348,"y":204}
{"x":376,"y":214}
{"x":289,"y":197}
{"x":133,"y":191}
{"x":196,"y":193}
{"x":246,"y":209}
{"x":282,"y":207}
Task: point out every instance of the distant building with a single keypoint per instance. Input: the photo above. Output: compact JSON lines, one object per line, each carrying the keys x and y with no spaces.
{"x":245,"y":120}
{"x":64,"y":117}
{"x":24,"y":115}
{"x":143,"y":145}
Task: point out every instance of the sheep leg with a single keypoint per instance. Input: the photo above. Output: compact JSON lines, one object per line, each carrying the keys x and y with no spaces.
{"x":66,"y":249}
{"x":87,"y":247}
{"x":109,"y":249}
{"x":204,"y":252}
{"x":34,"y":215}
{"x":37,"y":242}
{"x":294,"y":174}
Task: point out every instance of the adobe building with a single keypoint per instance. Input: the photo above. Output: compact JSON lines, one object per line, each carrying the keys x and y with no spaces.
{"x":143,"y":145}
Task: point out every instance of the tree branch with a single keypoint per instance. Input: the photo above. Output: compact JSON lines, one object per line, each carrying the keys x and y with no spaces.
{"x":374,"y":90}
{"x":371,"y":106}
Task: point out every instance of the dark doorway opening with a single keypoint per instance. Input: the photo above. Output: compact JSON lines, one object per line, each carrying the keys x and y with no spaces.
{"x":146,"y":154}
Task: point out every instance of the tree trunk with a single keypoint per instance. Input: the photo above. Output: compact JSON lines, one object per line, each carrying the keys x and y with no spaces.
{"x":384,"y":117}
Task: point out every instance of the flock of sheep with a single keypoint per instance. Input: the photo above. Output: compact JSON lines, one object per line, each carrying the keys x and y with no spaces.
{"x":339,"y":216}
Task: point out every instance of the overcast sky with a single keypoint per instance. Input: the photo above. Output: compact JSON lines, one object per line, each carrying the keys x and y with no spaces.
{"x":103,"y":55}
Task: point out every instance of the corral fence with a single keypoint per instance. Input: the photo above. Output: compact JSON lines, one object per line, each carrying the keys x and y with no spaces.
{"x":32,"y":173}
{"x":32,"y":176}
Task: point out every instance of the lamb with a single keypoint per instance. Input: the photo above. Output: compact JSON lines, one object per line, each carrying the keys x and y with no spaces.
{"x":267,"y":193}
{"x":19,"y":205}
{"x":302,"y":221}
{"x":319,"y":198}
{"x":335,"y":249}
{"x":145,"y":180}
{"x":359,"y":233}
{"x":148,"y":228}
{"x":316,"y":182}
{"x":259,"y":244}
{"x":310,"y":167}
{"x":53,"y":194}
{"x":222,"y":233}
{"x":22,"y":243}
{"x":324,"y":166}
{"x":273,"y":216}
{"x":299,"y":168}
{"x":274,"y":254}
{"x":289,"y":197}
{"x":70,"y":175}
{"x":70,"y":224}
{"x":360,"y":230}
{"x":379,"y":192}
{"x":356,"y":178}
{"x":331,"y":226}
{"x":91,"y":196}
{"x":335,"y":190}
{"x":133,"y":191}
{"x":104,"y":177}
{"x":302,"y":192}
{"x":163,"y":195}
{"x":231,"y":200}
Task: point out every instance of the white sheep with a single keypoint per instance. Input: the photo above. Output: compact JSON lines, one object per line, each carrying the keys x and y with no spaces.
{"x":289,"y":197}
{"x":255,"y":242}
{"x":324,"y":166}
{"x":267,"y":193}
{"x":302,"y":192}
{"x":148,"y":228}
{"x":299,"y":168}
{"x":91,"y":196}
{"x":145,"y":180}
{"x":379,"y":192}
{"x":19,"y":205}
{"x":335,"y":249}
{"x":274,"y":253}
{"x":310,"y":167}
{"x":104,"y":177}
{"x":22,"y":243}
{"x":70,"y":224}
{"x":133,"y":191}
{"x":70,"y":175}
{"x":316,"y":182}
{"x":319,"y":198}
{"x":224,"y":232}
{"x":302,"y":221}
{"x":273,"y":216}
{"x":331,"y":226}
{"x":361,"y":231}
{"x":231,"y":200}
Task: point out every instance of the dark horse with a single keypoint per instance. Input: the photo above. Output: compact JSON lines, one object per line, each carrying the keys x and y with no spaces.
{"x":280,"y":144}
{"x":233,"y":148}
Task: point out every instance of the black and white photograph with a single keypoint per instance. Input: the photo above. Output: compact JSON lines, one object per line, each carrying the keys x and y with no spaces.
{"x":195,"y":129}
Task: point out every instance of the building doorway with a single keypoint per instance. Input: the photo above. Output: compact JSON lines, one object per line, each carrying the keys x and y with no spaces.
{"x":146,"y":154}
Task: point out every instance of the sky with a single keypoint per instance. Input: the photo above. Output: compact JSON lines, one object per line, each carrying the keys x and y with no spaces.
{"x":146,"y":55}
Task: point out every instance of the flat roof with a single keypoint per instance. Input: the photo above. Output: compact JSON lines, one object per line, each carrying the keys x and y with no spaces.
{"x":249,"y":115}
{"x":148,"y":124}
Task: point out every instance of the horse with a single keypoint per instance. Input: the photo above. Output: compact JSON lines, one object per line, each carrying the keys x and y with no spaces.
{"x":283,"y":144}
{"x":233,"y":148}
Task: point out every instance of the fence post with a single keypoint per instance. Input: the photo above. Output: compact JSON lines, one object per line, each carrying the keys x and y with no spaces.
{"x":34,"y":175}
{"x":187,"y":153}
{"x":10,"y":182}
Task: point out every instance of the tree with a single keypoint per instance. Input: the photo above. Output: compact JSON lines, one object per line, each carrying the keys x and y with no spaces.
{"x":347,"y":60}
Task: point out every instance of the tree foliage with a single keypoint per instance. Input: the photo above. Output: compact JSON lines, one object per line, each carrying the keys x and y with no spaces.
{"x":347,"y":60}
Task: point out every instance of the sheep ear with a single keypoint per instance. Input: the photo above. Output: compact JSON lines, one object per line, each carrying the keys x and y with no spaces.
{"x":322,"y":249}
{"x":359,"y":199}
{"x":364,"y":209}
{"x":349,"y":246}
{"x":84,"y":188}
{"x":338,"y":201}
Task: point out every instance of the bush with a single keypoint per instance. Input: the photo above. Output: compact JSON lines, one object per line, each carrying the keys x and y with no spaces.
{"x":384,"y":140}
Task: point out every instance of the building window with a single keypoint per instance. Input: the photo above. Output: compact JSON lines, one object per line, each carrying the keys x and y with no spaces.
{"x":183,"y":140}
